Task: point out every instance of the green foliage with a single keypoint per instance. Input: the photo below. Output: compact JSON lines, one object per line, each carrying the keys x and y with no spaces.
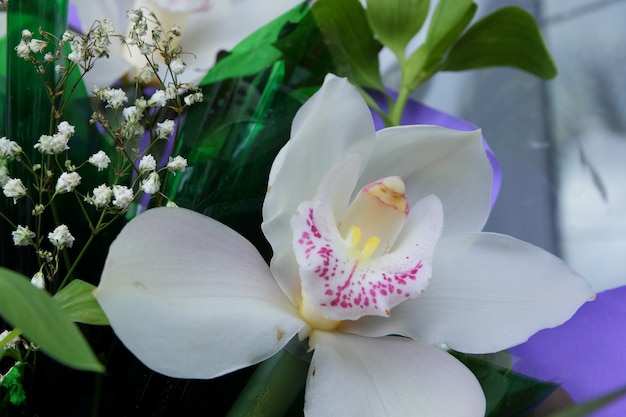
{"x":396,"y":22}
{"x":43,"y":322}
{"x":508,"y":37}
{"x":78,"y":302}
{"x":508,"y":394}
{"x":450,"y":18}
{"x":350,"y":39}
{"x":257,"y":51}
{"x":11,"y":388}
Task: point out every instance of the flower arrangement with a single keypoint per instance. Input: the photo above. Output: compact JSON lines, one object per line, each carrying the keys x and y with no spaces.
{"x":253,"y":230}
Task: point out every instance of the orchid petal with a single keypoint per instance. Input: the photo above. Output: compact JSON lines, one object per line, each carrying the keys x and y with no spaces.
{"x":433,"y":160}
{"x":351,"y":376}
{"x":334,"y":123}
{"x":191,"y":298}
{"x":488,"y":292}
{"x":416,"y":113}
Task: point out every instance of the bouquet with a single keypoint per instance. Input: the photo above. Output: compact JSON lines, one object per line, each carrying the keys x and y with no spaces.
{"x":271,"y":238}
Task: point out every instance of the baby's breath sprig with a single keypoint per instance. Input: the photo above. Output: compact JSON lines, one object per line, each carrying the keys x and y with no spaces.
{"x":139,"y":128}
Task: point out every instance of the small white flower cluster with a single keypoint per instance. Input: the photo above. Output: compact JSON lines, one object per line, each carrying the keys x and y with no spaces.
{"x":165,"y":129}
{"x":84,"y":49}
{"x":57,"y":143}
{"x":153,"y":40}
{"x":9,"y":149}
{"x":95,"y":44}
{"x":120,"y":197}
{"x":151,"y":182}
{"x":61,"y":237}
{"x":23,"y":236}
{"x":28,"y":46}
{"x":14,"y":188}
{"x":114,"y":97}
{"x":67,"y":182}
{"x":138,"y":27}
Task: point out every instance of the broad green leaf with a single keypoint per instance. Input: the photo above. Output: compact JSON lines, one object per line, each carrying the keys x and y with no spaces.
{"x":255,"y":52}
{"x":449,"y":20}
{"x":43,"y":322}
{"x":77,"y":300}
{"x":508,"y":37}
{"x":587,"y":408}
{"x":396,"y":22}
{"x":349,"y":38}
{"x":445,"y":22}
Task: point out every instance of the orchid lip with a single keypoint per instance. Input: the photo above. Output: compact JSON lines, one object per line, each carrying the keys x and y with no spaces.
{"x":344,"y":268}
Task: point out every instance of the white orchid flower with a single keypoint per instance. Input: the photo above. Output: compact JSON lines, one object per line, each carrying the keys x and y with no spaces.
{"x":208,"y":26}
{"x":404,"y":257}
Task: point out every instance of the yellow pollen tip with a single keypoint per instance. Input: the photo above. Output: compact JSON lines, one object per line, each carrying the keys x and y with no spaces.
{"x":354,"y":237}
{"x":370,"y":246}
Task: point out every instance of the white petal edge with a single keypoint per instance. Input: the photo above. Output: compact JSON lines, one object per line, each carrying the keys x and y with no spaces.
{"x":191,"y":298}
{"x":353,"y":376}
{"x":488,"y":292}
{"x":334,"y":123}
{"x":451,"y":164}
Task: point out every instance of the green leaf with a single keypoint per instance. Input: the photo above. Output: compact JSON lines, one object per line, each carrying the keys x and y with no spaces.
{"x":450,"y":18}
{"x":77,"y":300}
{"x":508,"y":37}
{"x":507,"y":393}
{"x":396,"y":22}
{"x":585,"y":409}
{"x":43,"y":322}
{"x":448,"y":21}
{"x":257,"y":51}
{"x":349,"y":38}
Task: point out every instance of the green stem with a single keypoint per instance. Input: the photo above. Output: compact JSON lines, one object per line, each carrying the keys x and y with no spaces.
{"x":275,"y":384}
{"x":70,"y":271}
{"x":371,"y":103}
{"x":396,"y":109}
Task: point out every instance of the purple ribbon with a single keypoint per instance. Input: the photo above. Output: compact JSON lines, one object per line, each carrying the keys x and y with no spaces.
{"x":586,"y":354}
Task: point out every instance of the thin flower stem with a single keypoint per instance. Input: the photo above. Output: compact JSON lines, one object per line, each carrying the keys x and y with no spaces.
{"x":275,"y":384}
{"x":70,"y":271}
{"x":373,"y":105}
{"x":13,"y":225}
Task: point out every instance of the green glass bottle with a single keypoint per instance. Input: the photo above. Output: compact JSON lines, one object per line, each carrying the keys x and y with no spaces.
{"x":28,"y":110}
